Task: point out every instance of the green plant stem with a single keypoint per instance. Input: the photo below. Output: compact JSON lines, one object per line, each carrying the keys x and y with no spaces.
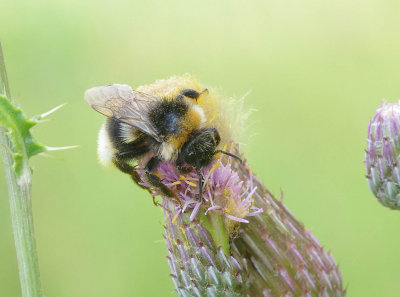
{"x":19,"y":190}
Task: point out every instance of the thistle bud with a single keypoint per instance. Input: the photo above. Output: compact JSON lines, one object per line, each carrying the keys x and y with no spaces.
{"x":381,"y":156}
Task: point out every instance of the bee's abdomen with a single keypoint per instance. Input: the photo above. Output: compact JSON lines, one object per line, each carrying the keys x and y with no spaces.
{"x":129,"y":142}
{"x":105,"y":147}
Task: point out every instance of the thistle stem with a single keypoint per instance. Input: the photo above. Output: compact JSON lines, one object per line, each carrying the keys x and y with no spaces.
{"x":19,"y":190}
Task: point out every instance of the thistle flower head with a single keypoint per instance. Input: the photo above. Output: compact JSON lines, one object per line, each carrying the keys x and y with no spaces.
{"x":269,"y":254}
{"x":224,"y":192}
{"x":381,"y":156}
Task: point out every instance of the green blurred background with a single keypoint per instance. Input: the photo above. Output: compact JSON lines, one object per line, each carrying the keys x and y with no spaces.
{"x":317,"y":71}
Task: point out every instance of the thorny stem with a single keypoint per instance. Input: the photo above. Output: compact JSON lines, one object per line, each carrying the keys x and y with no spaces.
{"x":19,"y":190}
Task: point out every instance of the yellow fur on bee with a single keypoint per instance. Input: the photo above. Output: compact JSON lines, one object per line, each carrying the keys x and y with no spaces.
{"x":219,"y":112}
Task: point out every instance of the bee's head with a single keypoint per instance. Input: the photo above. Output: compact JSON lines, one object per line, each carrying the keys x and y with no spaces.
{"x":200,"y":149}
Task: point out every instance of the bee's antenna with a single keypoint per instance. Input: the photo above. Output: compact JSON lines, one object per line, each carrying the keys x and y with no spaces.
{"x":205,"y":91}
{"x":229,"y":154}
{"x":200,"y":184}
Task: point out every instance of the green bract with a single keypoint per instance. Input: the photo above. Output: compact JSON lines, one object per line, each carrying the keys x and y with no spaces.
{"x":18,"y":126}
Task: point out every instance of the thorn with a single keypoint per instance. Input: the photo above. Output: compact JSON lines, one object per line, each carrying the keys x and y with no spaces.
{"x":44,"y":121}
{"x":52,"y":110}
{"x":50,"y":148}
{"x":50,"y":156}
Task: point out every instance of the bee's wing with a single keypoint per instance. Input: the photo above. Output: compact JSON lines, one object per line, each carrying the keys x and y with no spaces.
{"x":122,"y":103}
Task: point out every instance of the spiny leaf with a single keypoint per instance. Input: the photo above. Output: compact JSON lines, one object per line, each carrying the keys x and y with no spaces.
{"x":18,"y":126}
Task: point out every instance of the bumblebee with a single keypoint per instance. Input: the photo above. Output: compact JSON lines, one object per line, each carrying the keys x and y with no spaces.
{"x":172,"y":129}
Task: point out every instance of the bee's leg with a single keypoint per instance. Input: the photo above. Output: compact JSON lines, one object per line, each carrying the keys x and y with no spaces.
{"x":181,"y":166}
{"x":123,"y":166}
{"x":229,"y":154}
{"x":129,"y":169}
{"x":154,"y":180}
{"x":184,"y":169}
{"x":199,"y":173}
